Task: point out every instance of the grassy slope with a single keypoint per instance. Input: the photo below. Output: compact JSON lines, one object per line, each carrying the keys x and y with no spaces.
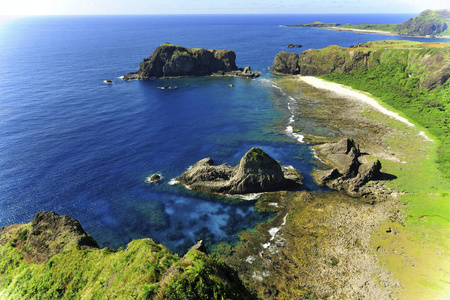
{"x":423,"y":174}
{"x":426,"y":17}
{"x":139,"y":272}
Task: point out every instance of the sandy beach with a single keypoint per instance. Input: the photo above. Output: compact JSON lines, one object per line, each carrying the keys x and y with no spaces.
{"x":353,"y":94}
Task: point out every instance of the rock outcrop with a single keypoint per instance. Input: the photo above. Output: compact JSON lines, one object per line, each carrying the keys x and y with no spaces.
{"x":47,"y":235}
{"x":348,"y":173}
{"x":256,"y":172}
{"x":429,"y":66}
{"x":175,"y":61}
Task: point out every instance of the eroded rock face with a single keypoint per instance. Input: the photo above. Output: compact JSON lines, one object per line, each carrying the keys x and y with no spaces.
{"x":47,"y":235}
{"x":348,"y":173}
{"x":174,"y":61}
{"x":256,"y":172}
{"x":285,"y":63}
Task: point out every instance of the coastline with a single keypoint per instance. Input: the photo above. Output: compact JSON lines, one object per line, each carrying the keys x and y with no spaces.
{"x":382,"y":32}
{"x":357,"y":95}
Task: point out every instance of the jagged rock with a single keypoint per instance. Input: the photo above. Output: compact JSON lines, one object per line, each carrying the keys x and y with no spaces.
{"x":247,"y":73}
{"x":256,"y":172}
{"x":348,"y":173}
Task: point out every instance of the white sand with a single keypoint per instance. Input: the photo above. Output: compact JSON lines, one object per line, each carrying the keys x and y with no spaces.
{"x":348,"y":92}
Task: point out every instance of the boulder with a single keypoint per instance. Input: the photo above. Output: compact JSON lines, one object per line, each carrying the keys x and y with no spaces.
{"x":256,"y":172}
{"x":348,"y":173}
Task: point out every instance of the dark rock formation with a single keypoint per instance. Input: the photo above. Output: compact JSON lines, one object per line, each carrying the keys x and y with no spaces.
{"x":247,"y":73}
{"x":285,"y":63}
{"x":175,"y":61}
{"x":47,"y":235}
{"x":294,"y":46}
{"x":348,"y":173}
{"x":256,"y":172}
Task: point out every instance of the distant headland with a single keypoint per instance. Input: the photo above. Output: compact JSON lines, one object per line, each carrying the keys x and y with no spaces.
{"x":429,"y":23}
{"x":168,"y":61}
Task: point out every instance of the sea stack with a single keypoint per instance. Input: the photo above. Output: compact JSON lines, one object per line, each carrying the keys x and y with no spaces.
{"x":257,"y":172}
{"x":169,"y":61}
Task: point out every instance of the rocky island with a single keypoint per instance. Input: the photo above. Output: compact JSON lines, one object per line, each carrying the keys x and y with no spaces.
{"x":168,"y":61}
{"x":257,"y":172}
{"x":429,"y":23}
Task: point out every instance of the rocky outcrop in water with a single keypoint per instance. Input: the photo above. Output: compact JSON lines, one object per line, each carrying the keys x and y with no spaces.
{"x":348,"y":173}
{"x":175,"y":61}
{"x":256,"y":172}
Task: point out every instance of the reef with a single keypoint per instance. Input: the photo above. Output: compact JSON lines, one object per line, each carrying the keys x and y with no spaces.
{"x":257,"y":172}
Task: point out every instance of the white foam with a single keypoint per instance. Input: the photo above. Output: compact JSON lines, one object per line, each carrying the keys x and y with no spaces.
{"x":315,"y":155}
{"x":149,"y":180}
{"x":247,"y":197}
{"x":173,"y":181}
{"x":250,"y":259}
{"x":273,"y":204}
{"x":266,"y":245}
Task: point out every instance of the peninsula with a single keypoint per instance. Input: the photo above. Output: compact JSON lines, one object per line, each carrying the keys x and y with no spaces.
{"x":429,"y":23}
{"x":168,"y":61}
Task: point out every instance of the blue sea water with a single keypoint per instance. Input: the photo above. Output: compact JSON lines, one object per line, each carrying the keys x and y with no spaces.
{"x":72,"y":144}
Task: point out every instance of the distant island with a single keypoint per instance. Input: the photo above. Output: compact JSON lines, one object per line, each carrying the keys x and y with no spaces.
{"x":430,"y":23}
{"x":168,"y":61}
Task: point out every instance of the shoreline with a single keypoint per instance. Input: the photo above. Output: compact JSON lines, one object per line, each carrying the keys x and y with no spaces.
{"x":350,"y":93}
{"x":367,"y":31}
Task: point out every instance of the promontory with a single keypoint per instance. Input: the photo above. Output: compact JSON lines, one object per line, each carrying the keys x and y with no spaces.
{"x":168,"y":61}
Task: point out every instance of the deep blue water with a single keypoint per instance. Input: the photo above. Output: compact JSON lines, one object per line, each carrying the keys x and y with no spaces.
{"x":72,"y":144}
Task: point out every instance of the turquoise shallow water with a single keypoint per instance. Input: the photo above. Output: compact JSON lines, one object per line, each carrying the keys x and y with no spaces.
{"x":72,"y":144}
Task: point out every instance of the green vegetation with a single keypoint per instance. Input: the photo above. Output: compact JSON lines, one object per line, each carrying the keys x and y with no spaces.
{"x":394,"y":77}
{"x":429,"y":22}
{"x":145,"y":270}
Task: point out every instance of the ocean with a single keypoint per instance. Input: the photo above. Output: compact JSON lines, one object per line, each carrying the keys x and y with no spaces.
{"x":72,"y":144}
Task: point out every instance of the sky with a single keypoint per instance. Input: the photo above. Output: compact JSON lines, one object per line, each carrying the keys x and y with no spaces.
{"x":106,"y":7}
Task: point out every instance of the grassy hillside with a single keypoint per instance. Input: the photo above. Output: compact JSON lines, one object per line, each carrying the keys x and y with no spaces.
{"x":411,"y":77}
{"x":429,"y":22}
{"x":144,"y":270}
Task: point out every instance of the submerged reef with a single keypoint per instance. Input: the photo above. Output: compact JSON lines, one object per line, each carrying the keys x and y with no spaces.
{"x":257,"y":172}
{"x":175,"y":61}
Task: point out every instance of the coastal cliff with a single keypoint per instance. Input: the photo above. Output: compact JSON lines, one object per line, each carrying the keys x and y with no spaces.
{"x":175,"y":61}
{"x":54,"y":258}
{"x":428,"y":65}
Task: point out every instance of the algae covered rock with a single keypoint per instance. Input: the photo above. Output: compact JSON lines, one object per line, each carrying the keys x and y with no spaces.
{"x":256,"y":172}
